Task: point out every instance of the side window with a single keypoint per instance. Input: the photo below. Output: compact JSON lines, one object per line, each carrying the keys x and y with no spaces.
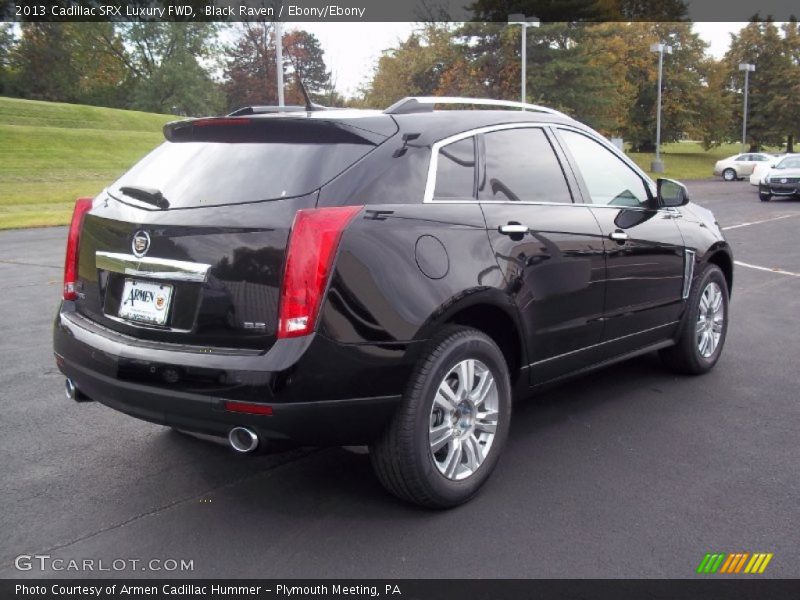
{"x":521,"y":165}
{"x":608,"y":179}
{"x":455,"y":170}
{"x":743,"y":158}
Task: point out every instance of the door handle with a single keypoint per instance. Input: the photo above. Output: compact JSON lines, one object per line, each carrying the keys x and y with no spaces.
{"x":513,"y":229}
{"x":619,"y":236}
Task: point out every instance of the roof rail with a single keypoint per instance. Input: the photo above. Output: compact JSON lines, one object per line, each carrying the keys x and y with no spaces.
{"x":416,"y":104}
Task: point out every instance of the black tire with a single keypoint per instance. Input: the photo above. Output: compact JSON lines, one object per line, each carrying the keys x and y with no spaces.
{"x":764,"y":196}
{"x":685,"y":356}
{"x":729,"y":175}
{"x":402,"y":457}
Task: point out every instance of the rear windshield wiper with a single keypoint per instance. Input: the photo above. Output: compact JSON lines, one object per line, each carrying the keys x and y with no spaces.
{"x":146,"y":194}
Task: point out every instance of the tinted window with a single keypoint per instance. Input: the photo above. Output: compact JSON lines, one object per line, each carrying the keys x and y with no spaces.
{"x":455,"y":170}
{"x":743,"y":158}
{"x":522,"y":166}
{"x":608,"y":179}
{"x":213,"y":173}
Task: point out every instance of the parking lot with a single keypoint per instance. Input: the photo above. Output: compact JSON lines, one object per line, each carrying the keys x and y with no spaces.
{"x":629,"y":472}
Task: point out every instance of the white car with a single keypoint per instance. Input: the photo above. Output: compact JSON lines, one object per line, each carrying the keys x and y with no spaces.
{"x":740,"y":165}
{"x":762,"y":169}
{"x":782,"y":180}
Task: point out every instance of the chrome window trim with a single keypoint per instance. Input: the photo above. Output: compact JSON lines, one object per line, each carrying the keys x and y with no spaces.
{"x":152,"y":267}
{"x":430,"y":183}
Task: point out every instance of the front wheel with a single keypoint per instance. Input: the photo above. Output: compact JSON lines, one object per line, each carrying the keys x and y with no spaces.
{"x":447,"y":435}
{"x":729,"y":175}
{"x":764,"y":196}
{"x":705,"y":325}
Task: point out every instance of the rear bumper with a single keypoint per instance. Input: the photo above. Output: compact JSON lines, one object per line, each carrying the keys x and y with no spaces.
{"x":321,"y":392}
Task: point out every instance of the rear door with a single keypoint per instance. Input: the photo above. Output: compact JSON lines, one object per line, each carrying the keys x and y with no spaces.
{"x":204,"y":267}
{"x":549,"y":250}
{"x":644,"y":247}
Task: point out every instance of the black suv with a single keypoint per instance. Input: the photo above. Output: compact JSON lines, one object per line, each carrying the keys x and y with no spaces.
{"x":391,"y":279}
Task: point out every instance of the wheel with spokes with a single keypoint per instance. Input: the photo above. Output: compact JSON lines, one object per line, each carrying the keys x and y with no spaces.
{"x":704,"y":327}
{"x":447,"y":435}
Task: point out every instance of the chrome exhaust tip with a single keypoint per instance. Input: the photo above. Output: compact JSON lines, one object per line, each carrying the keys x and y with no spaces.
{"x":243,"y":440}
{"x":72,"y":392}
{"x":70,"y":389}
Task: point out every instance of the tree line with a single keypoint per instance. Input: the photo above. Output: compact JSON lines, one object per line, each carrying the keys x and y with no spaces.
{"x":601,"y":73}
{"x":182,"y":68}
{"x":605,"y":75}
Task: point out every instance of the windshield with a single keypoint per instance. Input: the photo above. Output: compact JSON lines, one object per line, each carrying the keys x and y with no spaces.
{"x":191,"y":174}
{"x":792,"y":162}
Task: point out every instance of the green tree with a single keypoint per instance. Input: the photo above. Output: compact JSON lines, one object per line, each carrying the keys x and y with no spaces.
{"x":43,"y":63}
{"x":7,"y":44}
{"x":170,"y":64}
{"x":773,"y":111}
{"x":415,"y":68}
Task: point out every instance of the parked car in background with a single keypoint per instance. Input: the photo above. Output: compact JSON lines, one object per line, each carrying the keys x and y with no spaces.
{"x":740,"y":165}
{"x":383,"y":278}
{"x":763,"y":168}
{"x":781,"y":180}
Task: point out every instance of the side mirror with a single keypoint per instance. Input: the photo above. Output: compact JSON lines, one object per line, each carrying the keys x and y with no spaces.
{"x":672,"y":193}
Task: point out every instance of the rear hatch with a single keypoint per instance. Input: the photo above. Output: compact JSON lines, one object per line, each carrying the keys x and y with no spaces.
{"x":188,"y":247}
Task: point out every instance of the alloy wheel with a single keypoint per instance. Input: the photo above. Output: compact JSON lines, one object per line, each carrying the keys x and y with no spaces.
{"x":463,"y":419}
{"x":710,"y":320}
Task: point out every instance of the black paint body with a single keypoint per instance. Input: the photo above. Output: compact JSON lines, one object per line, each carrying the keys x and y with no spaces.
{"x":560,"y":299}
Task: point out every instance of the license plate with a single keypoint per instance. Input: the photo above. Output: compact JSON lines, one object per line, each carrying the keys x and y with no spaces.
{"x":145,"y":302}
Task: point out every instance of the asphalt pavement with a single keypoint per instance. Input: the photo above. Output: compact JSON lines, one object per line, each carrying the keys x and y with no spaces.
{"x":628,"y":472}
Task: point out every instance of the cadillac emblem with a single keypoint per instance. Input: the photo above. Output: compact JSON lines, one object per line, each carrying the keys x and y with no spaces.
{"x":140,"y":244}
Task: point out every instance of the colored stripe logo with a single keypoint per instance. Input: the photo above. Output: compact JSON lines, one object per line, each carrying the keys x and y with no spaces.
{"x":735,"y":562}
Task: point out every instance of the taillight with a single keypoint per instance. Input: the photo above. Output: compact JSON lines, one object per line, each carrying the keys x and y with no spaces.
{"x":312,"y":247}
{"x":82,"y":206}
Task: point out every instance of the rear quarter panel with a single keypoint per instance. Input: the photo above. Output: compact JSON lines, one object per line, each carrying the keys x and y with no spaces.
{"x":401,"y":269}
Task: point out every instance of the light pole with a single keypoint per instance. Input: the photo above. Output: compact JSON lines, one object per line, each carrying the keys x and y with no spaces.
{"x":657,"y":166}
{"x":279,"y":60}
{"x":520,"y":19}
{"x":747,"y":68}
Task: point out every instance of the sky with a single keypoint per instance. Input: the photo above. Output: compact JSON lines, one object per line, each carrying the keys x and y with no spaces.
{"x":352,"y":49}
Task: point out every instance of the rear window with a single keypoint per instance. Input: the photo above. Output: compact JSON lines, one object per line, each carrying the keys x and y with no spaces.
{"x":191,"y":174}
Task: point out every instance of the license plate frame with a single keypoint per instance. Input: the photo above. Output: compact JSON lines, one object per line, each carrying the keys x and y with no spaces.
{"x":149,"y":302}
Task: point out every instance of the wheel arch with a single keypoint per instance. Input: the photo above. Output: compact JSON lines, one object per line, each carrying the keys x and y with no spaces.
{"x":491,"y":312}
{"x":721,"y":257}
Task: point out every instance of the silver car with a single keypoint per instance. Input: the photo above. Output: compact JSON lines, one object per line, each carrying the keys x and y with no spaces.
{"x":740,"y":165}
{"x":782,"y":180}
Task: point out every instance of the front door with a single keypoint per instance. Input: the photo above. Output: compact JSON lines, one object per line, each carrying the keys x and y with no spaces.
{"x":644,"y":247}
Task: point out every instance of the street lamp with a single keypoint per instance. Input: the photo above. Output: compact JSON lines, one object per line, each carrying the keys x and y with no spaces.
{"x":279,"y":61}
{"x":520,"y":19}
{"x":657,"y":166}
{"x":747,"y":68}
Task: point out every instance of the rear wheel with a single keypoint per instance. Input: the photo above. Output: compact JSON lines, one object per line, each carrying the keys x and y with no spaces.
{"x":704,"y":327}
{"x":729,"y":175}
{"x":446,"y":437}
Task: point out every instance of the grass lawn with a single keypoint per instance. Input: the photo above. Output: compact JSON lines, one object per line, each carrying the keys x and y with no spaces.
{"x":685,"y":160}
{"x":52,"y":153}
